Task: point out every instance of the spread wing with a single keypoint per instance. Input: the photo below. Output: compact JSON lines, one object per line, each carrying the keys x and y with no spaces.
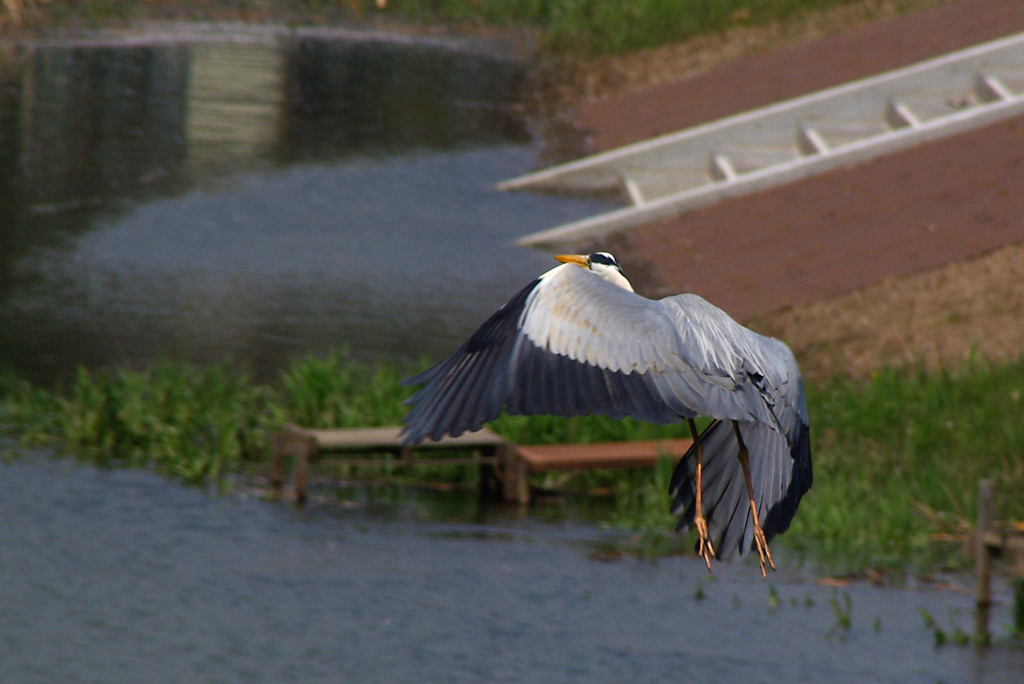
{"x":571,"y":343}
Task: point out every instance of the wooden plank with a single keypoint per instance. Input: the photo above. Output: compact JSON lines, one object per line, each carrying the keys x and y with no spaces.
{"x":1008,"y":545}
{"x":479,"y":460}
{"x":540,"y":458}
{"x":305,"y":445}
{"x":355,"y":439}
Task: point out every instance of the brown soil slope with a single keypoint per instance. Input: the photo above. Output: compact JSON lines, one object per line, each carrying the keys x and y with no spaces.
{"x":839,"y":231}
{"x":808,"y":242}
{"x":938,"y":318}
{"x":857,"y":51}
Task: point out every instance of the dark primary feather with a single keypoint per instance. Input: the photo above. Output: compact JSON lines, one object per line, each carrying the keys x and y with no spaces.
{"x":780,"y":471}
{"x":440,"y":406}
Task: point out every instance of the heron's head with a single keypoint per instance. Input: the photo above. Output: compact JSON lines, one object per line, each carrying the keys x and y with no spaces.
{"x":601,"y":263}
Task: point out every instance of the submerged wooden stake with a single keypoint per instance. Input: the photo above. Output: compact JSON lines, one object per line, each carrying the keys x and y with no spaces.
{"x":983,"y":562}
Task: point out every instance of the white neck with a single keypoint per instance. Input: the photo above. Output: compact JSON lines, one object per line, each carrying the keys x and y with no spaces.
{"x":617,"y":278}
{"x":612,"y":275}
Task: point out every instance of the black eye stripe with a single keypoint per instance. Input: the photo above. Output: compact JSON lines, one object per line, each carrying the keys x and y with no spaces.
{"x":603,"y":258}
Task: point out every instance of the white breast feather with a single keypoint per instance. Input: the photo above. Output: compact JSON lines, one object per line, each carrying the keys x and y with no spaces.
{"x":564,"y":317}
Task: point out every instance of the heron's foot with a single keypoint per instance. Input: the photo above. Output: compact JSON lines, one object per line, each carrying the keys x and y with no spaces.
{"x":704,"y":548}
{"x":763,"y":554}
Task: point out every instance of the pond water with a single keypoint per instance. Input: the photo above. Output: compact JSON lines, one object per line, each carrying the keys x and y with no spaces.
{"x":122,"y":576}
{"x":259,"y":195}
{"x":270,"y":193}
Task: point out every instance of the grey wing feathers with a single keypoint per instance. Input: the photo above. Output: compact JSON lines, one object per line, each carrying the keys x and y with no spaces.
{"x":499,"y":366}
{"x":739,"y":367}
{"x":469,"y":387}
{"x":570,"y":344}
{"x":780,"y":462}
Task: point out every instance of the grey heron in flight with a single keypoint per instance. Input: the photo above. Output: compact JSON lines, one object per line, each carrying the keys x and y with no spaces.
{"x":578,"y":340}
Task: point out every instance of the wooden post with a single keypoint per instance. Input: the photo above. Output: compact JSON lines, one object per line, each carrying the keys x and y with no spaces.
{"x":303,"y":454}
{"x":485,"y":475}
{"x":278,"y":445}
{"x":508,"y":473}
{"x":516,"y":484}
{"x":983,"y":562}
{"x":522,"y":481}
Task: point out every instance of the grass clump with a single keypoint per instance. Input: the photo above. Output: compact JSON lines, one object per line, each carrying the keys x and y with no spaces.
{"x":339,"y":392}
{"x":192,"y":424}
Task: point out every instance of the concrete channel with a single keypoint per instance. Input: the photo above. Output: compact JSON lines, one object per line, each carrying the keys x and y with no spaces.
{"x":770,"y":146}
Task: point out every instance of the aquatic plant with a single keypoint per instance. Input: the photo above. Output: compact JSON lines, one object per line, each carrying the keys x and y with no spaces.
{"x":337,"y":391}
{"x":844,"y":618}
{"x":773,"y":598}
{"x":189,"y":423}
{"x":954,"y":635}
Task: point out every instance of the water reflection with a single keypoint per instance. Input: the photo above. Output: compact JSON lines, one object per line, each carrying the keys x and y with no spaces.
{"x":102,"y":119}
{"x":258,"y":197}
{"x":412,"y":95}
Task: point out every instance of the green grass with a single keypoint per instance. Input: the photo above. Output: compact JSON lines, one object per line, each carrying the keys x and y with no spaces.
{"x":896,"y":458}
{"x":609,"y":26}
{"x":578,"y":26}
{"x":194,"y":425}
{"x":339,"y":392}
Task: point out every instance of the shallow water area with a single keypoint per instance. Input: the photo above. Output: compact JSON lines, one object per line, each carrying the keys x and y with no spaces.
{"x":122,"y":576}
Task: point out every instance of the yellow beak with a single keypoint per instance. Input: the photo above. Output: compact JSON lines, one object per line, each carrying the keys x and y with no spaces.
{"x":578,"y":259}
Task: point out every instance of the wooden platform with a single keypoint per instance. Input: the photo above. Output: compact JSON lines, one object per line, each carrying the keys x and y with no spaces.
{"x":355,"y":439}
{"x":498,"y":459}
{"x":305,"y":446}
{"x":539,"y":458}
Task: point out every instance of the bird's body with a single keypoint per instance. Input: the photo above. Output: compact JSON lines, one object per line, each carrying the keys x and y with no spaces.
{"x":579,"y":341}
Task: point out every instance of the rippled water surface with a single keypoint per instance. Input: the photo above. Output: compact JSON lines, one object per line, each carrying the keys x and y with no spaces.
{"x":120,"y":576}
{"x":259,"y":196}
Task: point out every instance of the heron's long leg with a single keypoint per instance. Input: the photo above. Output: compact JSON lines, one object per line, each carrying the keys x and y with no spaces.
{"x":705,"y":549}
{"x":759,"y":541}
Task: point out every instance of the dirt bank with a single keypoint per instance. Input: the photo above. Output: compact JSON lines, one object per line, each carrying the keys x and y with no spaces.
{"x":757,"y":67}
{"x":802,"y":247}
{"x":938,"y":317}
